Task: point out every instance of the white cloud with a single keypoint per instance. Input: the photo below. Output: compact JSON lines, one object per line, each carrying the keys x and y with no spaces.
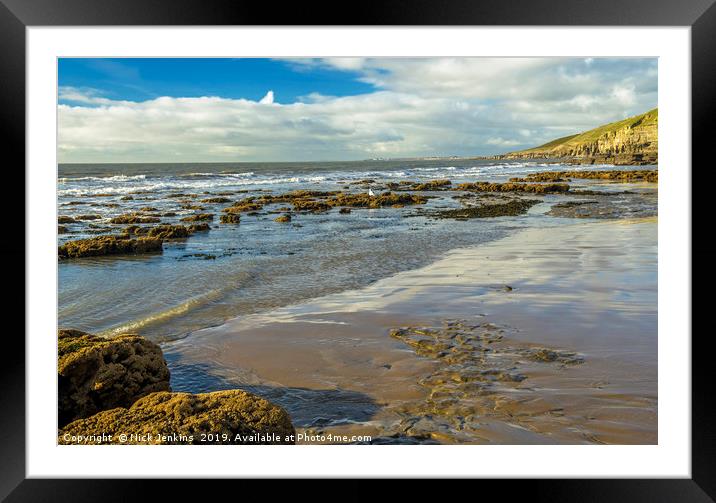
{"x":450,"y":106}
{"x":268,"y":99}
{"x":624,"y":94}
{"x":501,"y":142}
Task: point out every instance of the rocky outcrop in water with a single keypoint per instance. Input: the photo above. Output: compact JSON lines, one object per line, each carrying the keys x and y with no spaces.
{"x":638,"y":175}
{"x":512,"y":207}
{"x":108,"y":245}
{"x":230,"y":218}
{"x":134,"y":218}
{"x":199,"y":217}
{"x":108,"y":387}
{"x":214,"y":200}
{"x":319,"y":201}
{"x":535,"y":188}
{"x":221,"y":417}
{"x":431,"y":185}
{"x":96,"y":373}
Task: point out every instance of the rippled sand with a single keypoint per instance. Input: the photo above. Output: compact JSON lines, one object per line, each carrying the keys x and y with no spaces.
{"x":586,"y":293}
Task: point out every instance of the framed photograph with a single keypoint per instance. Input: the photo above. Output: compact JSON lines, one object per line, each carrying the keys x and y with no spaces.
{"x":435,"y":240}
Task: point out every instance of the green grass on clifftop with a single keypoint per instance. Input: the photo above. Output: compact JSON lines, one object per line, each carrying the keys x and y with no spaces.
{"x":646,"y":119}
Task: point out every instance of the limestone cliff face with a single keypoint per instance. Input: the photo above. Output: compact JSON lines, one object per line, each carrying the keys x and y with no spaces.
{"x":630,"y":141}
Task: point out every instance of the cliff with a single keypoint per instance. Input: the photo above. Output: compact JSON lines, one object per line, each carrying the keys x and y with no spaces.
{"x":629,"y":141}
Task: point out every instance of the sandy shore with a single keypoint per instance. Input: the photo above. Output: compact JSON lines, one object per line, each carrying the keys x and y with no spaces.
{"x":585,"y":295}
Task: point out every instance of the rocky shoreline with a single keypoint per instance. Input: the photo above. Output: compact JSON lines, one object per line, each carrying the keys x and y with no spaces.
{"x":641,"y":159}
{"x":146,"y":232}
{"x":117,"y":391}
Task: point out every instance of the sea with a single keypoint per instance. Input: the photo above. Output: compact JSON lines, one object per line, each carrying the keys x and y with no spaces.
{"x":235,"y":270}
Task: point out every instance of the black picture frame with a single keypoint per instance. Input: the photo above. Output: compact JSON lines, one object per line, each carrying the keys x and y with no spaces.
{"x":17,"y":15}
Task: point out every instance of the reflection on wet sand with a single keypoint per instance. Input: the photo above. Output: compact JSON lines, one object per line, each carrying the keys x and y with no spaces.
{"x":546,"y":336}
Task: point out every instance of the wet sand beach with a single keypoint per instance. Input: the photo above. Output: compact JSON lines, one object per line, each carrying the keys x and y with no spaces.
{"x":548,"y":335}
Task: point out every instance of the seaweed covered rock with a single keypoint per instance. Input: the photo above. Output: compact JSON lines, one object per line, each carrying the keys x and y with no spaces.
{"x":230,"y":218}
{"x":535,"y":188}
{"x":283,"y":218}
{"x":510,"y":208}
{"x":199,"y":217}
{"x":64,"y":219}
{"x":108,"y":245}
{"x":431,"y":185}
{"x":310,"y":205}
{"x":229,"y":417}
{"x":182,"y":195}
{"x":214,"y":200}
{"x":134,"y":218}
{"x":367,"y":201}
{"x":169,"y":232}
{"x":188,"y":206}
{"x":243,"y":206}
{"x":198,"y":228}
{"x":96,"y":373}
{"x":165,"y":231}
{"x":637,"y":175}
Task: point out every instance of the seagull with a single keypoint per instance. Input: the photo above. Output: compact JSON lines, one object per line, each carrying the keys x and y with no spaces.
{"x":370,"y":192}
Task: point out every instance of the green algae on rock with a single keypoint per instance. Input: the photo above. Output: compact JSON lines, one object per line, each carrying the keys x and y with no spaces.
{"x":214,"y":200}
{"x":230,"y":218}
{"x":199,"y":217}
{"x":96,"y":373}
{"x":245,"y":205}
{"x":198,"y":228}
{"x":169,"y":232}
{"x":165,"y":231}
{"x":221,"y":417}
{"x":108,"y":245}
{"x":430,"y":185}
{"x":513,"y":207}
{"x":310,"y":205}
{"x":134,"y":218}
{"x":364,"y":200}
{"x":536,"y":188}
{"x":639,"y":175}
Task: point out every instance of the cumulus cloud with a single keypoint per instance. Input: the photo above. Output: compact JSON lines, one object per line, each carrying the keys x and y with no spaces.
{"x":420,"y":107}
{"x":268,"y":99}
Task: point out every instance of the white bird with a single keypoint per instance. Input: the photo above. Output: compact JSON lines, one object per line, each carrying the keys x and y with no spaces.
{"x":370,"y":192}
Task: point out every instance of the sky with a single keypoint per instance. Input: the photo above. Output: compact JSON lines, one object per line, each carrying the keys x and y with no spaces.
{"x":319,"y":109}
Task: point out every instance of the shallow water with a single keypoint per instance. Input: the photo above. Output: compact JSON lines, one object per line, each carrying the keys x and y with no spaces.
{"x":260,"y":264}
{"x":567,"y":354}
